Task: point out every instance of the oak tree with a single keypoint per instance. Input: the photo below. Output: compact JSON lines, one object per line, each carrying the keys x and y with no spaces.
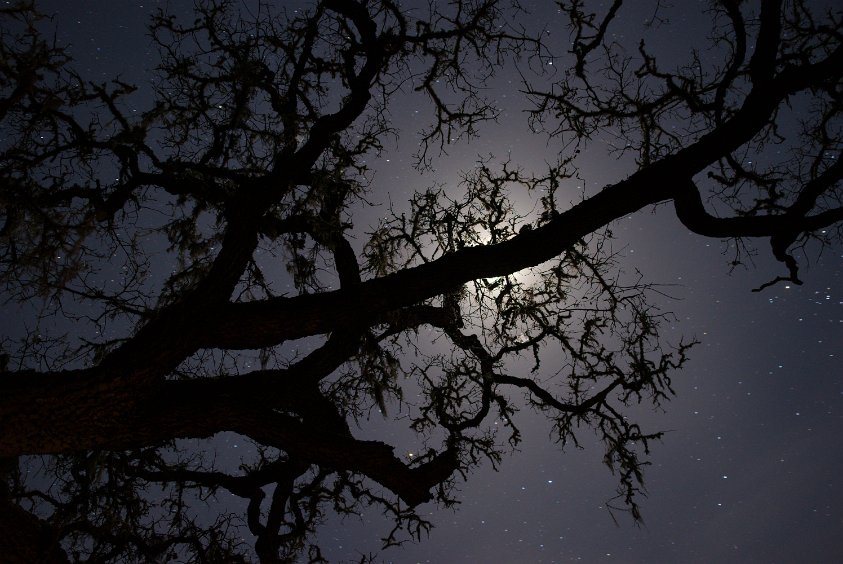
{"x":185,"y":258}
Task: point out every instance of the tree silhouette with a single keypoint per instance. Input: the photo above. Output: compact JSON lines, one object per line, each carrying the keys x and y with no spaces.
{"x":188,"y":269}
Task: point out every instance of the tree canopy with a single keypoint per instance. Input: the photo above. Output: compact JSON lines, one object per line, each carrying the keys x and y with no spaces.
{"x":191,"y":256}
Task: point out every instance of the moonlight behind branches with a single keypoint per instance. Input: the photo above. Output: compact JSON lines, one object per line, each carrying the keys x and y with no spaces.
{"x":246,"y":296}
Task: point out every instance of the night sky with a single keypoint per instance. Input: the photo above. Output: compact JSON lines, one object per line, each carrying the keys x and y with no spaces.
{"x":749,"y":469}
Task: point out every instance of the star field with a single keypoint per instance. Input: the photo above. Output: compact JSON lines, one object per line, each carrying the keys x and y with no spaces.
{"x":749,"y":467}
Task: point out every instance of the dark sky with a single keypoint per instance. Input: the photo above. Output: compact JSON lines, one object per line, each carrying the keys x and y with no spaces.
{"x":749,"y":470}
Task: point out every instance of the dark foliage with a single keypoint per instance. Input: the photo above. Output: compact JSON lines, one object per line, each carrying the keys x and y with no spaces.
{"x":169,"y":263}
